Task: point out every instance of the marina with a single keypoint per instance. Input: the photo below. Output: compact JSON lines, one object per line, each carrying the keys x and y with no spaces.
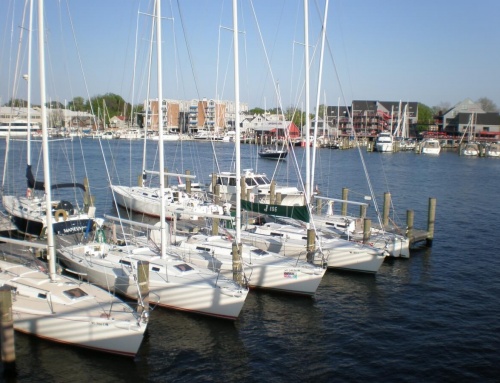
{"x":418,"y":311}
{"x":197,"y":240}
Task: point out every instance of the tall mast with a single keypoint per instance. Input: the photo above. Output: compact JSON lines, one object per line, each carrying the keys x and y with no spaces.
{"x":237,"y":122}
{"x":318,"y":96}
{"x":28,"y":138}
{"x":307,"y":121}
{"x":45,"y":146}
{"x":163,"y":230}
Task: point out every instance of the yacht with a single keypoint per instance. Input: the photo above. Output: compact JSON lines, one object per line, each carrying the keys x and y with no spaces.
{"x":384,"y":142}
{"x":430,"y":146}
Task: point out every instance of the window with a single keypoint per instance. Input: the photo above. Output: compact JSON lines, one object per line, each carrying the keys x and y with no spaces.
{"x":75,"y":293}
{"x":183,"y":267}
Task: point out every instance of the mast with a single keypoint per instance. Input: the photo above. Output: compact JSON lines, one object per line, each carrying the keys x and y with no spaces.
{"x":146,"y":115}
{"x":45,"y":147}
{"x":237,"y":123}
{"x":163,"y":230}
{"x":318,"y":95}
{"x":28,"y":79}
{"x":307,"y":120}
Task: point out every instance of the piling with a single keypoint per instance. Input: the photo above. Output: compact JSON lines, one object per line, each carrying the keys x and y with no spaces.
{"x":188,"y":182}
{"x":7,"y":330}
{"x":243,"y":185}
{"x":319,"y":206}
{"x":410,"y":217}
{"x":237,"y":274}
{"x":88,"y":199}
{"x":143,"y":282}
{"x":387,"y":208}
{"x":216,"y":194}
{"x":431,"y":219}
{"x":215,"y":226}
{"x":345,"y":193}
{"x":272,"y":192}
{"x":311,"y":244}
{"x":362,"y":211}
{"x":367,"y":227}
{"x":140,"y":181}
{"x":214,"y":182}
{"x":279,"y":198}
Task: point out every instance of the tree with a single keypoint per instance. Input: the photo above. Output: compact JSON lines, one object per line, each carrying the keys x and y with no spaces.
{"x":441,"y":108}
{"x":256,"y":111}
{"x":54,"y":105}
{"x":487,"y":105}
{"x":425,"y":117}
{"x":17,"y":103}
{"x":78,"y":104}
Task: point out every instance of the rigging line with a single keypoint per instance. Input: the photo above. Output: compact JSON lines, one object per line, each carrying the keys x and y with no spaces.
{"x":109,"y":182}
{"x":84,"y":77}
{"x":269,"y":68}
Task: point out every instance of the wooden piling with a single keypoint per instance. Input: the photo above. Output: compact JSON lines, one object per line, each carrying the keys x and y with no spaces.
{"x":362,"y":211}
{"x":345,"y":193}
{"x":143,"y":282}
{"x":410,"y":217}
{"x":140,"y":181}
{"x":311,"y":244}
{"x":217,"y":194}
{"x":319,"y":206}
{"x":272,"y":192}
{"x":188,"y":182}
{"x":215,"y":226}
{"x":237,"y":270}
{"x":387,"y":208}
{"x":7,"y":330}
{"x":431,"y":219}
{"x":367,"y":227}
{"x":279,"y":198}
{"x":243,"y":185}
{"x":214,"y":182}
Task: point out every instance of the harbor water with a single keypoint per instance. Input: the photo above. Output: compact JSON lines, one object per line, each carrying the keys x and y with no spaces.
{"x":434,"y":317}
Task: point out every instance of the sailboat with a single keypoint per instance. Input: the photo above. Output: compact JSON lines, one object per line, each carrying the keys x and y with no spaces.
{"x":180,"y":202}
{"x":275,"y":153}
{"x":292,"y":240}
{"x":469,"y":148}
{"x":58,"y":308}
{"x":27,"y":210}
{"x":173,"y":282}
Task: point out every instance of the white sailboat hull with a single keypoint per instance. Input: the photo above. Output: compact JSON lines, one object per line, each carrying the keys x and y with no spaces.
{"x":96,"y":321}
{"x":263,"y":270}
{"x":146,"y":201}
{"x":193,"y":290}
{"x":337,"y":253}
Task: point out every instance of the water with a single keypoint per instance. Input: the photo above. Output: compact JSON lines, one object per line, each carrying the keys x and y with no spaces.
{"x":433,"y":317}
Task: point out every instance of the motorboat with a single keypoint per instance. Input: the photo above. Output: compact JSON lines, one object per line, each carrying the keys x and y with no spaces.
{"x":259,"y":186}
{"x":384,"y":142}
{"x":430,"y":146}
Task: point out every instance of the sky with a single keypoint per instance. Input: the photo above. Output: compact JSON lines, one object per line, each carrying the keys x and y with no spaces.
{"x":435,"y":52}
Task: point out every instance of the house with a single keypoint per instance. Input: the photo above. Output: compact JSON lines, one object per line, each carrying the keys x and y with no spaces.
{"x":118,"y":122}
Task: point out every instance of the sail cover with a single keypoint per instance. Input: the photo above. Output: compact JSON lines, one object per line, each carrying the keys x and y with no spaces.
{"x":39,"y":185}
{"x":297,"y":212}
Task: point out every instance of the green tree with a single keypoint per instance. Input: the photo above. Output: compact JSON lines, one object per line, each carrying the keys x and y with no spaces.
{"x":17,"y":103}
{"x":78,"y":104}
{"x":256,"y":111}
{"x":487,"y":105}
{"x":115,"y":105}
{"x":425,"y":117}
